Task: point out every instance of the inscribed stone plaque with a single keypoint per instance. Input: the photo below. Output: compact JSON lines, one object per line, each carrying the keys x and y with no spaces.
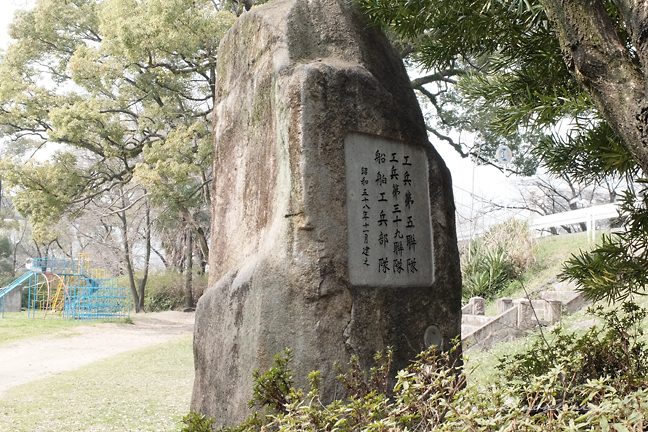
{"x":388,"y":213}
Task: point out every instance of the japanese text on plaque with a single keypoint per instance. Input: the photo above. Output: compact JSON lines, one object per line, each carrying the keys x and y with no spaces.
{"x":388,"y":206}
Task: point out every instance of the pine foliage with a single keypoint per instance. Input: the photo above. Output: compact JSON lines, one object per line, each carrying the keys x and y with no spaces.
{"x":616,"y":269}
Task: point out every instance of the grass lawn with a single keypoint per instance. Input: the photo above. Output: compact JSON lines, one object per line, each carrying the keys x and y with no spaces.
{"x":550,"y":254}
{"x":145,"y":390}
{"x":17,"y":325}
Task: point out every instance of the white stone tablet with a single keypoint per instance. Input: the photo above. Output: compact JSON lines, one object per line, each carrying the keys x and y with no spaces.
{"x":388,"y":213}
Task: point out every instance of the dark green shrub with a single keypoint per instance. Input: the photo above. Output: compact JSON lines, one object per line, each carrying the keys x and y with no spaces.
{"x":165,"y":290}
{"x":362,"y":383}
{"x":487,"y":273}
{"x":272,"y":388}
{"x":196,"y":422}
{"x":614,"y":353}
{"x":6,"y":279}
{"x":369,"y":406}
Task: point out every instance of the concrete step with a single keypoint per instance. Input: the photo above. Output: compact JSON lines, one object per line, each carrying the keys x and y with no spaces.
{"x":563,"y":286}
{"x":467,"y":329}
{"x":562,"y":295}
{"x":475,"y":320}
{"x":572,"y":301}
{"x":508,"y":326}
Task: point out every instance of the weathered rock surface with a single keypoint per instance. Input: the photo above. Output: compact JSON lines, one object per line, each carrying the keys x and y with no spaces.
{"x":298,"y":80}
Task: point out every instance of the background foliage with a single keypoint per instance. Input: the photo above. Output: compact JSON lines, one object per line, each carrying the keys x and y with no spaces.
{"x":490,"y":263}
{"x":105,"y":108}
{"x":166,"y":290}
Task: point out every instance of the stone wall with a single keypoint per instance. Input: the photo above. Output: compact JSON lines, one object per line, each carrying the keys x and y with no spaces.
{"x":11,"y":301}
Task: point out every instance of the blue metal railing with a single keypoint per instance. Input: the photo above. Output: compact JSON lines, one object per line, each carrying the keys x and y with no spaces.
{"x":98,"y":302}
{"x":58,"y":266}
{"x":22,"y":278}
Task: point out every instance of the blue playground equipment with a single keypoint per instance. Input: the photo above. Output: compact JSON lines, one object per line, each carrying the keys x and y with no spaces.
{"x":71,"y":289}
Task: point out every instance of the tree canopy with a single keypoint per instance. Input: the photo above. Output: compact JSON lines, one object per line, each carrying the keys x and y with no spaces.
{"x":124,"y":89}
{"x":126,"y":85}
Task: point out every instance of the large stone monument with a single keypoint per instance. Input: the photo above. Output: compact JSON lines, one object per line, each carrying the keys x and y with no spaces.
{"x":333,"y":218}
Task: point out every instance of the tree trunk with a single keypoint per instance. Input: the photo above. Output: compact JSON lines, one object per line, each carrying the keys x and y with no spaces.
{"x":189,"y":271}
{"x":206,"y":189}
{"x":38,"y":251}
{"x":15,"y":249}
{"x":147,"y":254}
{"x":200,"y":234}
{"x":203,"y":262}
{"x":137,"y":301}
{"x":601,"y":63}
{"x":159,"y":254}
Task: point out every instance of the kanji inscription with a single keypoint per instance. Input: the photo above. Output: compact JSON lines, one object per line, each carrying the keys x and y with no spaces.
{"x":388,"y":213}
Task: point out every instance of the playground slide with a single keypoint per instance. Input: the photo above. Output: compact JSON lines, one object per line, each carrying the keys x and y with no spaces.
{"x":6,"y":290}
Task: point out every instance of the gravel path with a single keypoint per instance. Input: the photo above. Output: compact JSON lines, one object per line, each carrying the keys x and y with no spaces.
{"x":32,"y":359}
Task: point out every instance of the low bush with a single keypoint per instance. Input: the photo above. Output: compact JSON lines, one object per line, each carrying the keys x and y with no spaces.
{"x":196,"y":422}
{"x":615,"y":351}
{"x":591,"y":382}
{"x":165,"y":290}
{"x":486,"y":272}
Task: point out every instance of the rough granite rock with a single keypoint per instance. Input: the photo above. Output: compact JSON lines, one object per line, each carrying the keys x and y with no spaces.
{"x":296,"y":78}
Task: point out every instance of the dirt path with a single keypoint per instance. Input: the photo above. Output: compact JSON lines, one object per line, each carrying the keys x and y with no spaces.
{"x":32,"y":359}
